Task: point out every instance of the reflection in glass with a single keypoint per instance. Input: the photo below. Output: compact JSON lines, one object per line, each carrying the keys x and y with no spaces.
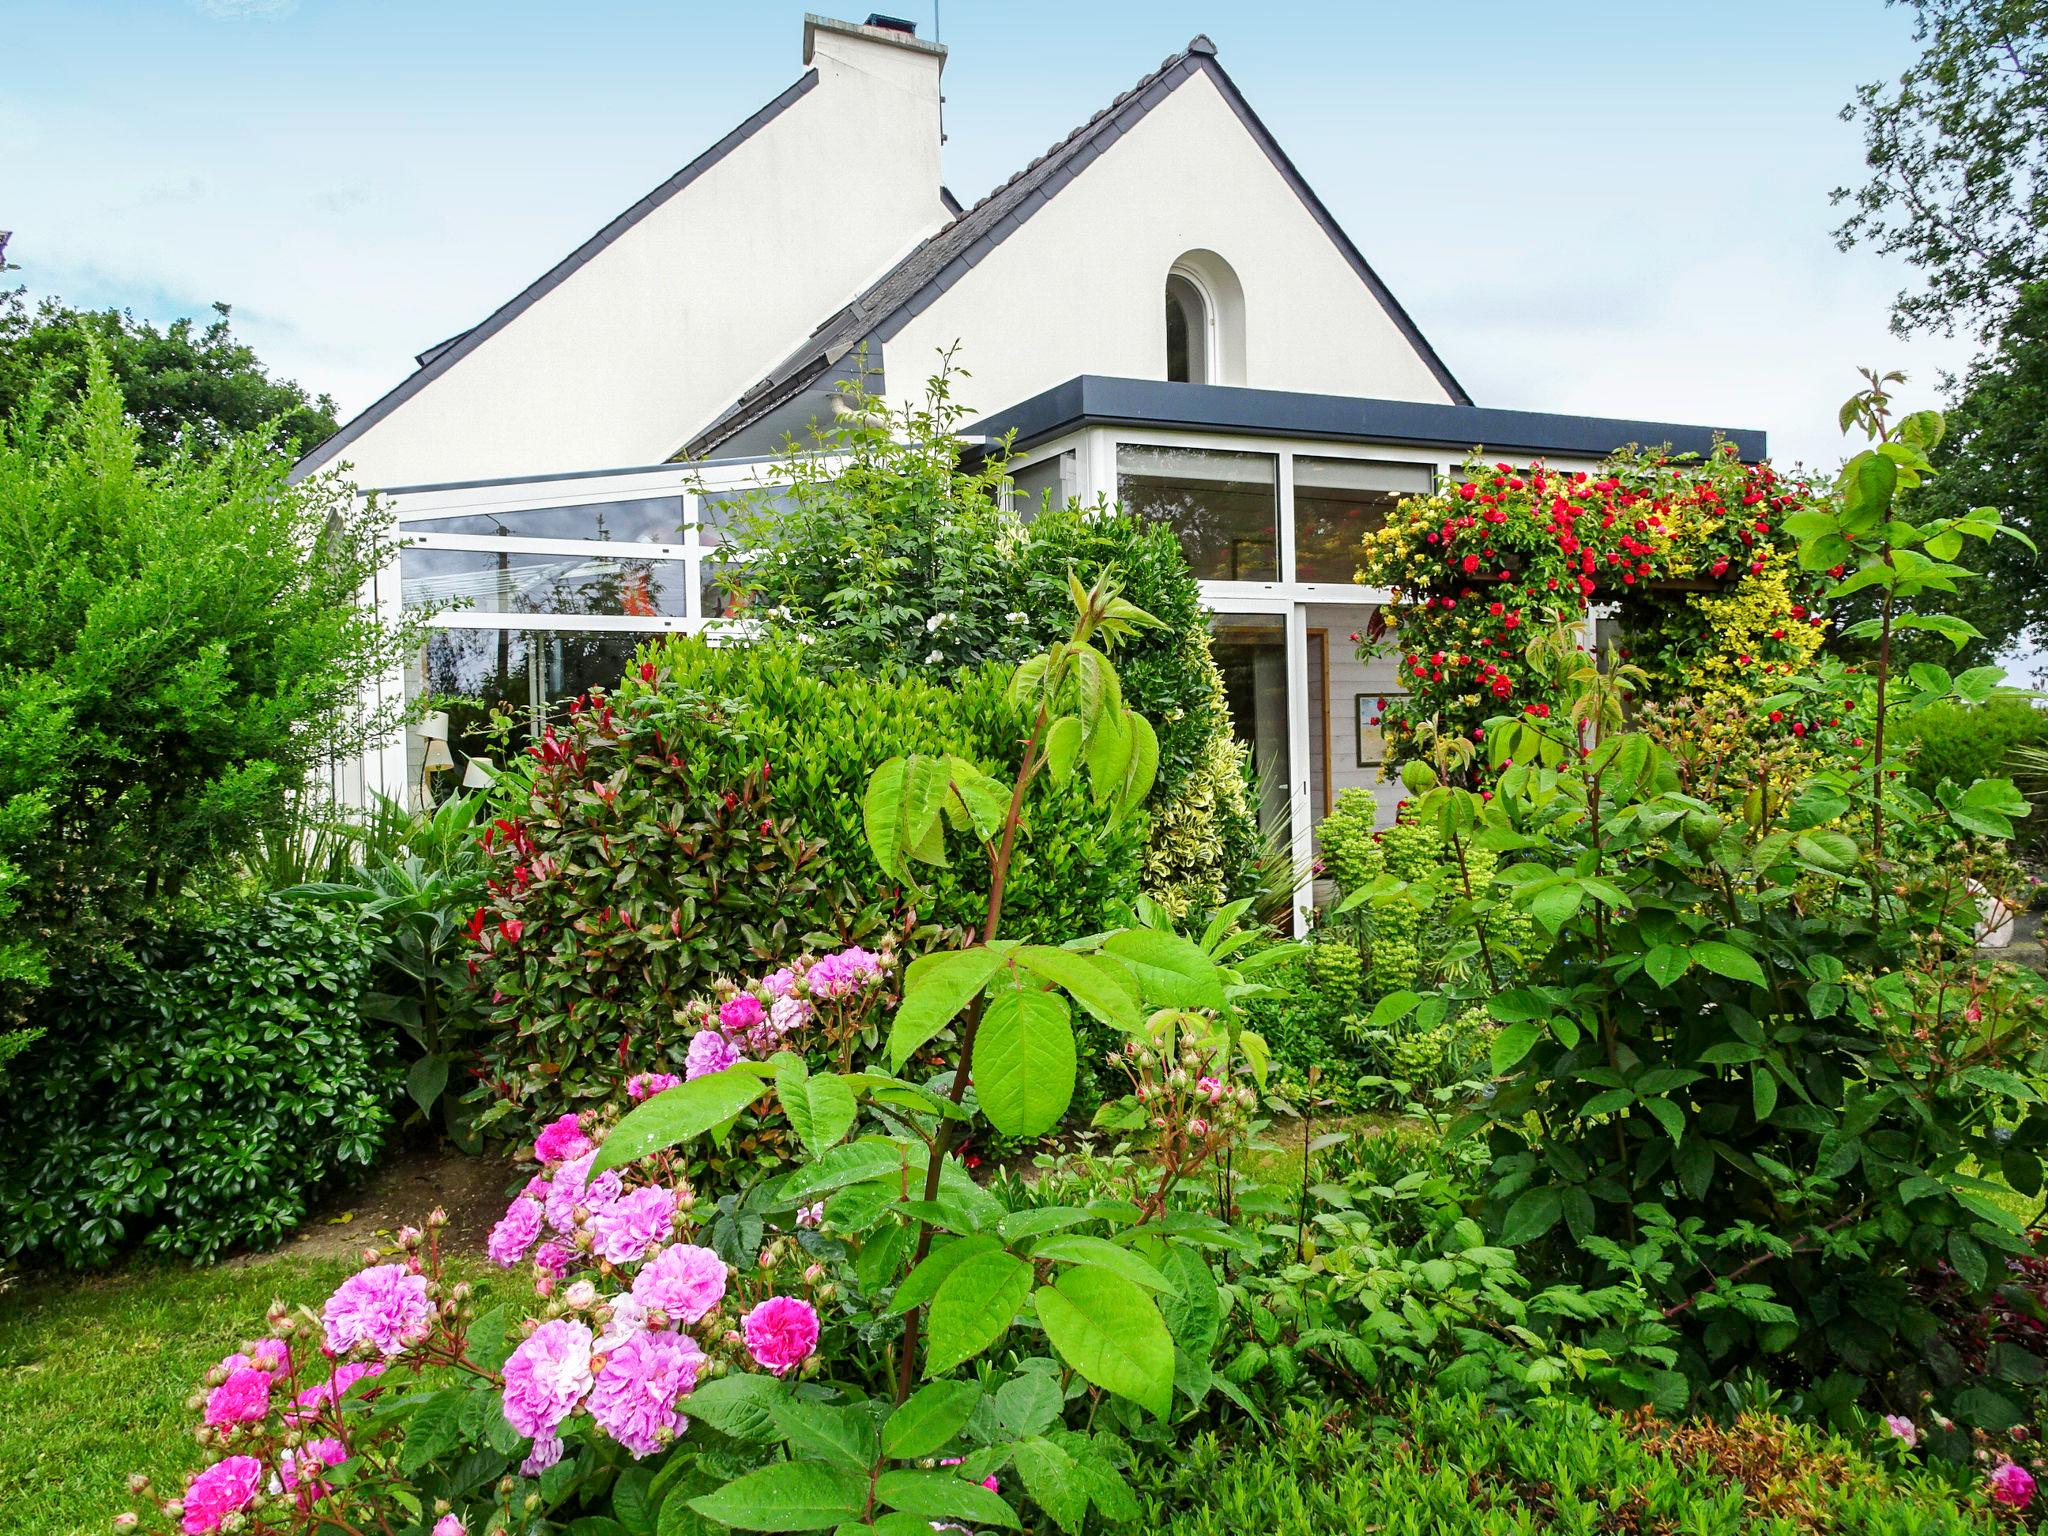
{"x":490,"y":581}
{"x":528,"y":677}
{"x":1251,"y":653}
{"x":650,"y":520}
{"x":1225,"y":506}
{"x":1187,"y":332}
{"x":1036,"y":486}
{"x":721,"y":514}
{"x":1337,"y":502}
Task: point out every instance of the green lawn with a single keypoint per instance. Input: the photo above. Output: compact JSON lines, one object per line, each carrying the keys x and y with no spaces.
{"x":94,"y":1373}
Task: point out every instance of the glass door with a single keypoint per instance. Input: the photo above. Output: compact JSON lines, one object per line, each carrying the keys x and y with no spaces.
{"x":1261,"y":648}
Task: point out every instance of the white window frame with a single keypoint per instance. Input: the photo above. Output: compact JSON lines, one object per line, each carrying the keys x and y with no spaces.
{"x":385,"y":764}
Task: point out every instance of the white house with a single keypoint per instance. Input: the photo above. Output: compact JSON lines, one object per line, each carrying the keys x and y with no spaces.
{"x":1159,"y":307}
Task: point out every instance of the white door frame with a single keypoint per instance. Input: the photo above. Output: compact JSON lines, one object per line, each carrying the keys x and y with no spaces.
{"x":1300,"y":821}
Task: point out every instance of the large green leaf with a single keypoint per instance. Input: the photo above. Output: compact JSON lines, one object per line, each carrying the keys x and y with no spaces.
{"x":1049,"y":1477}
{"x":1103,"y":987}
{"x":1665,"y":963}
{"x":857,"y":1162}
{"x":923,"y":1282}
{"x":1172,"y":972}
{"x":1727,"y":960}
{"x":1108,"y":1329}
{"x":974,"y":1307}
{"x":821,"y":1109}
{"x":683,"y":1113}
{"x":842,"y":1434}
{"x":787,"y":1496}
{"x":1143,"y":769}
{"x":1534,"y":1212}
{"x":1029,"y":1402}
{"x":739,"y":1405}
{"x":1024,"y":1061}
{"x":940,"y":1495}
{"x":1062,"y":746}
{"x":935,"y":989}
{"x":1512,"y":1044}
{"x":900,"y":814}
{"x":929,"y":1418}
{"x":1079,"y":1248}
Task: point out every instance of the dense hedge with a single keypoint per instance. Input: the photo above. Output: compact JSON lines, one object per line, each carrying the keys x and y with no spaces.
{"x":705,"y":820}
{"x":822,"y":736}
{"x":195,"y":1102}
{"x":1967,"y":742}
{"x":1444,"y":1465}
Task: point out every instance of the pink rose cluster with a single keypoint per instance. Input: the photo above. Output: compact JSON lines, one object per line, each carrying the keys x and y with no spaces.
{"x":385,"y":1308}
{"x":379,"y":1305}
{"x":635,"y":1377}
{"x":755,"y":1019}
{"x":2011,"y":1485}
{"x":565,"y":1210}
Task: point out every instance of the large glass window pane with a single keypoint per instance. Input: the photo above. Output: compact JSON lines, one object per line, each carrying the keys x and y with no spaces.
{"x":720,"y":513}
{"x":1337,"y":502}
{"x":1225,"y":506}
{"x":1048,"y":482}
{"x":650,"y":520}
{"x":500,"y":688}
{"x":1251,"y":653}
{"x":494,"y":582}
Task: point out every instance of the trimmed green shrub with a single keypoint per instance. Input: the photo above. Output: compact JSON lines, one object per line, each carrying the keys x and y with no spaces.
{"x":706,"y":821}
{"x":196,"y":1102}
{"x":1967,"y":742}
{"x":890,"y":554}
{"x":1445,"y":1465}
{"x":823,"y":734}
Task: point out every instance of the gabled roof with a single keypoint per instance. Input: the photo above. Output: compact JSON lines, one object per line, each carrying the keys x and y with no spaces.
{"x":442,"y":356}
{"x":935,"y":265}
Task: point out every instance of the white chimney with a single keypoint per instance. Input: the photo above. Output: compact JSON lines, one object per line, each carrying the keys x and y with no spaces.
{"x":885,"y":80}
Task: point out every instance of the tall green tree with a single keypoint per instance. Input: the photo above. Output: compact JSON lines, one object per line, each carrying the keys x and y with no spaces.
{"x":182,"y":647}
{"x":1996,"y":455}
{"x":186,"y":385}
{"x":1957,"y":149}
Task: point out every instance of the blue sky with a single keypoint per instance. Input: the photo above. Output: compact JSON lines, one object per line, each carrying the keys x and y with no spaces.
{"x":1601,"y":207}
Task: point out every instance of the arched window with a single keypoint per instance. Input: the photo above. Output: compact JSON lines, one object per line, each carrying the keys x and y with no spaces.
{"x":1190,"y":324}
{"x":1204,"y":321}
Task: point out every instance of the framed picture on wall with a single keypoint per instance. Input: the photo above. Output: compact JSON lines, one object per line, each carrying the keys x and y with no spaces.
{"x":1371,"y":708}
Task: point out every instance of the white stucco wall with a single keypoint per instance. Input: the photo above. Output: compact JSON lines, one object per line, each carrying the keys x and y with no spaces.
{"x":1078,"y":287}
{"x":666,"y":326}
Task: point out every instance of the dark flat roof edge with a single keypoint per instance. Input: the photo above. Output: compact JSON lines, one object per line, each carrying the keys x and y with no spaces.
{"x":438,"y":359}
{"x":1096,"y":400}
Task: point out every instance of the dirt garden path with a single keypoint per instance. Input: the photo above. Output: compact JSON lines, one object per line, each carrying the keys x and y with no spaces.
{"x":472,"y":1190}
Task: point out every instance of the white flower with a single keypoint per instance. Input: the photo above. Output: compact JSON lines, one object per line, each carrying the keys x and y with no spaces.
{"x":931,"y":625}
{"x":1016,"y":618}
{"x":935,"y":658}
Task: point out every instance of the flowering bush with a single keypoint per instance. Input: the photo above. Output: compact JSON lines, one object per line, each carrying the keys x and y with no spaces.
{"x":1760,"y":1054}
{"x":1508,"y":550}
{"x":624,"y":878}
{"x":795,"y":1317}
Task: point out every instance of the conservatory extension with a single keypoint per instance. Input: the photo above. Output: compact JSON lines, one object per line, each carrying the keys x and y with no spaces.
{"x":543,"y":587}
